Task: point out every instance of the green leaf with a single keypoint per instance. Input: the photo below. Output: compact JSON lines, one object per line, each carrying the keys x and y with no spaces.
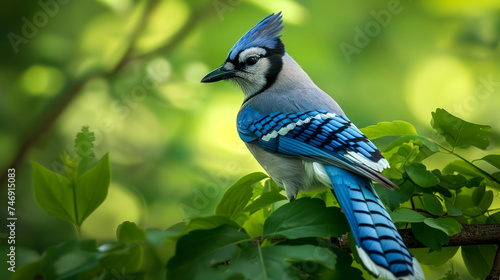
{"x":496,"y":175}
{"x":461,"y":167}
{"x":195,"y":223}
{"x":405,"y":215}
{"x":129,"y":232}
{"x":264,"y":200}
{"x":408,"y":152}
{"x":445,"y":192}
{"x":485,"y":203}
{"x":451,"y":182}
{"x":474,"y":182}
{"x":432,"y":204}
{"x":69,"y":259}
{"x":343,"y":269}
{"x":28,"y":271}
{"x":259,"y":188}
{"x":434,"y":258}
{"x":201,"y":253}
{"x":395,"y":128}
{"x":155,"y":237}
{"x":452,"y":210}
{"x":254,"y":226}
{"x":306,"y":217}
{"x":92,"y":188}
{"x":84,"y":148}
{"x":394,"y":198}
{"x":430,"y":237}
{"x":460,"y":133}
{"x":494,"y":219}
{"x":421,"y":176}
{"x":238,"y":195}
{"x":54,"y":193}
{"x":479,"y":259}
{"x":447,"y":225}
{"x":126,"y":258}
{"x":83,"y":260}
{"x":492,"y":159}
{"x":478,"y":194}
{"x":208,"y":222}
{"x":275,"y":262}
{"x":421,"y":141}
{"x":272,"y":186}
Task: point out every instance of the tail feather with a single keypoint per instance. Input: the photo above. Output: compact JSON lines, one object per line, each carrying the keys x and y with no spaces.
{"x":379,"y":244}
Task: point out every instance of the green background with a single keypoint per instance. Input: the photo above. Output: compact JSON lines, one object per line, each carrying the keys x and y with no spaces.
{"x":130,"y":70}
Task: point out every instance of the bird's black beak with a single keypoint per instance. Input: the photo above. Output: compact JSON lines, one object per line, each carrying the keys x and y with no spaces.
{"x":218,"y":74}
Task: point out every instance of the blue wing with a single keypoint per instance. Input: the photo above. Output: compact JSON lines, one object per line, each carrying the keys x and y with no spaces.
{"x":334,"y":141}
{"x":314,"y":135}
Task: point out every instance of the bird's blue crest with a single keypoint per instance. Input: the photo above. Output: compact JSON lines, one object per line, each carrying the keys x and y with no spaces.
{"x":264,"y":34}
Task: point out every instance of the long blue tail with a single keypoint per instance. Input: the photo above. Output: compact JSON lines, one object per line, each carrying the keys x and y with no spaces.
{"x":378,"y":242}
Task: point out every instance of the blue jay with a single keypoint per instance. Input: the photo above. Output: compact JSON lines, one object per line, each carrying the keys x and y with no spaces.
{"x":304,"y":141}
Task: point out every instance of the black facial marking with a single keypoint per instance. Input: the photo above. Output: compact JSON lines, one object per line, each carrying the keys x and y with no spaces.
{"x":275,"y":57}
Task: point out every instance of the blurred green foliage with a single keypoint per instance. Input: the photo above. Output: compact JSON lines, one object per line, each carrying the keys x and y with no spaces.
{"x":254,"y":236}
{"x":130,"y":70}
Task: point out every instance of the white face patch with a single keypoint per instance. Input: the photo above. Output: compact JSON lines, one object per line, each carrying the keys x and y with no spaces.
{"x":253,"y":51}
{"x":253,"y":78}
{"x":228,"y":66}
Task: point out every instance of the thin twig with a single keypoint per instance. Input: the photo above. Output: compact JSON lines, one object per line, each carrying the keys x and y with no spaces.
{"x":134,"y":36}
{"x":452,"y":152}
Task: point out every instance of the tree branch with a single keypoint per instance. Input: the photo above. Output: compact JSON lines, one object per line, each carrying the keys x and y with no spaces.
{"x":55,"y":108}
{"x":470,"y":235}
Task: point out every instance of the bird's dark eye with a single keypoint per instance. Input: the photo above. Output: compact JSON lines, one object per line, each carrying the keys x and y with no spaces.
{"x":252,"y":60}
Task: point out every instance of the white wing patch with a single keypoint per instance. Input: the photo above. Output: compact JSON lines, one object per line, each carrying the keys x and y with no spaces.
{"x":284,"y":130}
{"x":381,"y":272}
{"x":351,"y":155}
{"x":360,"y":158}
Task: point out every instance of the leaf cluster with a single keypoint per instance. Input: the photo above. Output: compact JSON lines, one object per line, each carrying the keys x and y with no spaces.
{"x":255,"y":234}
{"x":73,"y":192}
{"x":249,"y":239}
{"x":436,"y":203}
{"x":86,"y":260}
